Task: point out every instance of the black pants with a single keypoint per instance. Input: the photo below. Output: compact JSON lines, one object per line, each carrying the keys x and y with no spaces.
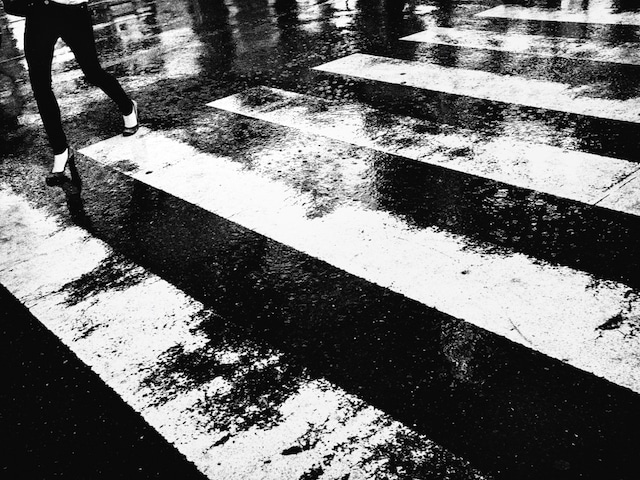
{"x":44,"y":26}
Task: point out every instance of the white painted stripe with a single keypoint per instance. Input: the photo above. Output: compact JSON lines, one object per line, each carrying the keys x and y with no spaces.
{"x":180,"y":49}
{"x":574,"y":175}
{"x":131,"y":19}
{"x":554,"y":310}
{"x":538,"y":45}
{"x":625,"y":197}
{"x":602,"y":15}
{"x":125,"y":333}
{"x":484,"y":85}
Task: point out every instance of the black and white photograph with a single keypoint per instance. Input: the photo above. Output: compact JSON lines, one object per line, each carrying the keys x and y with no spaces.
{"x":320,"y":239}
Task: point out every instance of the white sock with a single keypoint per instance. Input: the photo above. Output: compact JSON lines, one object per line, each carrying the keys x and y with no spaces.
{"x":59,"y":161}
{"x":131,"y":120}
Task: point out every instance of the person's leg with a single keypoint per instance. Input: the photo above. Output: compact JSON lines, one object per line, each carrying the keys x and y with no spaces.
{"x":39,"y":41}
{"x":77,"y":33}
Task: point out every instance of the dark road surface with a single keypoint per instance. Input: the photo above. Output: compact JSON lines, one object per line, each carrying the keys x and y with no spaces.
{"x":61,"y":421}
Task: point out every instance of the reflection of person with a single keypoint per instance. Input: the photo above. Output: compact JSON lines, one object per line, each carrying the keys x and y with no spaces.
{"x":71,"y":21}
{"x":10,"y":73}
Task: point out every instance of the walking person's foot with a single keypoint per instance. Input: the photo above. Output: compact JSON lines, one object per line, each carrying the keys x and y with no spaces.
{"x":60,"y":161}
{"x":131,"y":123}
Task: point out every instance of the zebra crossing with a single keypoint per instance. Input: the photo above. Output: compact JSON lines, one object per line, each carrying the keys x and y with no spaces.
{"x":600,"y":12}
{"x":545,"y":46}
{"x":482,"y":85}
{"x":506,"y":355}
{"x":539,"y":167}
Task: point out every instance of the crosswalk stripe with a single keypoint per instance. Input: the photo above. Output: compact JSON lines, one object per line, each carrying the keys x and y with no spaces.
{"x":131,"y":330}
{"x":579,"y":176}
{"x":538,"y":45}
{"x":129,"y":18}
{"x":555,"y":310}
{"x":484,"y":85}
{"x":179,"y":46}
{"x":624,"y":197}
{"x":602,"y":15}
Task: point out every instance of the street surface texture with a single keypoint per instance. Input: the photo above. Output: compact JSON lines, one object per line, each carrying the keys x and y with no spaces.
{"x":353,"y":239}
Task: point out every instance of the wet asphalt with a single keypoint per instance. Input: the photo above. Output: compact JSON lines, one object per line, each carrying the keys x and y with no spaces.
{"x":512,"y":412}
{"x":61,"y":421}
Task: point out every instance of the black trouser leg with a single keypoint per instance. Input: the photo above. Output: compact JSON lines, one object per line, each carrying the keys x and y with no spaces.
{"x":72,"y":24}
{"x":77,"y":33}
{"x":39,"y":41}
